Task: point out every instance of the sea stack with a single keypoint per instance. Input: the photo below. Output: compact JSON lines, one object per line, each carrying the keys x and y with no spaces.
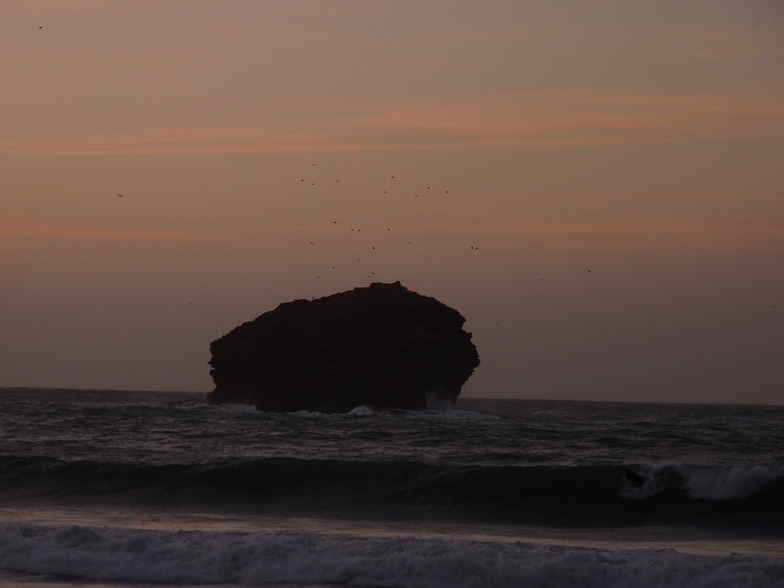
{"x":381,"y":346}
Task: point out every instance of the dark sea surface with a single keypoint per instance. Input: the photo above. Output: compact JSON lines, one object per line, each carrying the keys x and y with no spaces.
{"x":106,"y":488}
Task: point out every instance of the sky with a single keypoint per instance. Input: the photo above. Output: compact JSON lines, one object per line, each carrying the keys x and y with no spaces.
{"x":597,"y":187}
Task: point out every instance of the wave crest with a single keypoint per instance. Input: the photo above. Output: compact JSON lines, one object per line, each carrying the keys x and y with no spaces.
{"x":701,"y":482}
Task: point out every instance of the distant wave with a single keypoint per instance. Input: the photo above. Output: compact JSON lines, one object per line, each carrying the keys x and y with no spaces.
{"x":751,"y":497}
{"x":460,"y":414}
{"x":96,"y":554}
{"x":445,"y":413}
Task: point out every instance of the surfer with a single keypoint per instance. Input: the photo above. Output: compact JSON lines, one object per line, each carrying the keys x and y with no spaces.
{"x":635,"y":479}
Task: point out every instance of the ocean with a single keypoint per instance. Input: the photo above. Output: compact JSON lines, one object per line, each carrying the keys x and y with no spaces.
{"x":102,"y":488}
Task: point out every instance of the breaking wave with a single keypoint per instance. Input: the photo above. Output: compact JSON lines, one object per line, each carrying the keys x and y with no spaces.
{"x":703,"y":482}
{"x":749,"y":497}
{"x":98,"y":554}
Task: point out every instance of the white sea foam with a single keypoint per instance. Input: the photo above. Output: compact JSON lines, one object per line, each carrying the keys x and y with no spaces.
{"x":98,"y":554}
{"x":725,"y":483}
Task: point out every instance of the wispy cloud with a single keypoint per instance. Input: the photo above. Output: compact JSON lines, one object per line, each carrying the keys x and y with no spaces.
{"x":32,"y":227}
{"x":165,"y":141}
{"x":553,"y":119}
{"x":652,"y":233}
{"x":585,"y":118}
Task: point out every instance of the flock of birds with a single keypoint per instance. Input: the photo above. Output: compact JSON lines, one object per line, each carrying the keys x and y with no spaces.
{"x":386,"y":191}
{"x":393,"y":188}
{"x":358,"y":252}
{"x":313,"y":182}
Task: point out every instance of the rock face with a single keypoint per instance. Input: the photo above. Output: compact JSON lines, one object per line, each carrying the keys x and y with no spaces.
{"x":382,"y":346}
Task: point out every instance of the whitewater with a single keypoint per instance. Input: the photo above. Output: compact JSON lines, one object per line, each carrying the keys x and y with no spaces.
{"x":106,"y":488}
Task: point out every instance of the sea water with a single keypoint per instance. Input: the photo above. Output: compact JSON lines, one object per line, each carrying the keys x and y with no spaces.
{"x":106,"y":488}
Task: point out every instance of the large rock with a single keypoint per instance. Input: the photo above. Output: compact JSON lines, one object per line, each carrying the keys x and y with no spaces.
{"x":382,"y":346}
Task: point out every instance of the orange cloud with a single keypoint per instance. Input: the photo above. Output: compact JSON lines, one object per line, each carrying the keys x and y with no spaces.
{"x":583,"y":118}
{"x":163,"y":141}
{"x":26,"y":227}
{"x":658,"y":234}
{"x":552,"y":119}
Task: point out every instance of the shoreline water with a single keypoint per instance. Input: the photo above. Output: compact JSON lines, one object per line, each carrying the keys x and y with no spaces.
{"x":116,"y":489}
{"x":690,"y":541}
{"x":103,"y":557}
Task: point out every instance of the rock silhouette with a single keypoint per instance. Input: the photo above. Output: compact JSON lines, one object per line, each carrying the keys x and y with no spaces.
{"x":381,"y":346}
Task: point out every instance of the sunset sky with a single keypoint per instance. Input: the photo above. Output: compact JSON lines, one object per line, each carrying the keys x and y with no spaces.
{"x":598,"y":187}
